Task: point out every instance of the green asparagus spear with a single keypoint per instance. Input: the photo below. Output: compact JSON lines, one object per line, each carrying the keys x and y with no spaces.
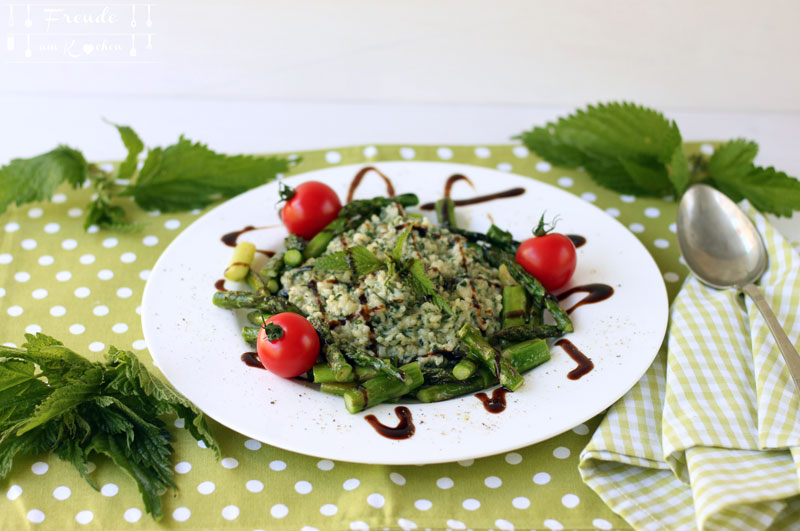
{"x":320,"y":242}
{"x":323,"y":374}
{"x":528,"y":354}
{"x":445,"y":391}
{"x":362,"y":358}
{"x":246,"y":299}
{"x":383,"y":388}
{"x":240,"y":261}
{"x":446,"y":213}
{"x":437,"y":375}
{"x":250,"y":334}
{"x":294,"y":242}
{"x":256,"y":283}
{"x":258,"y":318}
{"x":342,"y":371}
{"x":515,"y":334}
{"x":274,"y":267}
{"x":482,"y":352}
{"x":336,"y":388}
{"x":464,"y":369}
{"x":514,"y":306}
{"x":293,"y":258}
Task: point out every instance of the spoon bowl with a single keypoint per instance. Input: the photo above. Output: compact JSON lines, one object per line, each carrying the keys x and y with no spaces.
{"x":723,"y":249}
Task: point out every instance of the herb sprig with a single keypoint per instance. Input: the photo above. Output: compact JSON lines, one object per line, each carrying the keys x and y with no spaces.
{"x":635,"y":150}
{"x":183,"y":176}
{"x":54,"y":400}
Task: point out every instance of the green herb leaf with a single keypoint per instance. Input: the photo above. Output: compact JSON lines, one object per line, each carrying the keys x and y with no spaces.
{"x":400,"y":244}
{"x":36,"y":179}
{"x":733,"y":160}
{"x":111,"y":217}
{"x":678,"y":171}
{"x":134,"y":145}
{"x":357,"y":258}
{"x":188,"y":175}
{"x":767,"y":189}
{"x":422,"y":286}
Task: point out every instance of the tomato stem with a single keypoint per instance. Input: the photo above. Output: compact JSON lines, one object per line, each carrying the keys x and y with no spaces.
{"x":273,"y":332}
{"x":543,"y":228}
{"x":285,"y":192}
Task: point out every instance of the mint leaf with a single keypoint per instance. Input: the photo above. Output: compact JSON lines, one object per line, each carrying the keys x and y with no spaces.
{"x":357,"y":259}
{"x":134,"y":145}
{"x":767,"y":189}
{"x":623,"y":146}
{"x":36,"y":179}
{"x":188,"y":175}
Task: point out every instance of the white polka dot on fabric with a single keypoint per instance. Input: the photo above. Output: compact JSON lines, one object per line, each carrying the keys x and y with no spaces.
{"x":181,"y":514}
{"x":627,"y":198}
{"x":150,"y":240}
{"x":333,"y":157}
{"x":325,"y":464}
{"x":466,"y":462}
{"x":109,"y":489}
{"x":230,"y":512}
{"x":132,"y":515}
{"x":707,"y":149}
{"x":96,"y":346}
{"x":581,"y":429}
{"x":613,"y":212}
{"x":39,"y":468}
{"x":82,"y":292}
{"x":673,"y":228}
{"x":229,"y":462}
{"x":405,"y":524}
{"x":93,"y":229}
{"x":599,"y":523}
{"x":35,"y":516}
{"x":661,"y":243}
{"x":376,"y":500}
{"x":482,"y":152}
{"x":423,"y":505}
{"x":14,"y":492}
{"x":278,"y":510}
{"x":520,"y":152}
{"x":33,"y":329}
{"x":277,"y":465}
{"x":35,"y":213}
{"x":252,"y":444}
{"x":328,"y":509}
{"x":52,"y":228}
{"x":444,"y":483}
{"x":566,"y":182}
{"x":46,"y":260}
{"x":144,"y":274}
{"x":669,"y":276}
{"x":471,"y":504}
{"x":504,"y":166}
{"x":406,"y":152}
{"x":9,"y":344}
{"x":541,"y":478}
{"x":139,"y":344}
{"x":22,"y":276}
{"x":520,"y":502}
{"x":124,"y":293}
{"x":62,"y":493}
{"x":503,"y":525}
{"x":14,"y":311}
{"x":513,"y":458}
{"x":100,"y":310}
{"x":6,"y":258}
{"x":63,"y":276}
{"x":570,"y":501}
{"x":444,"y":153}
{"x":456,"y":524}
{"x":543,"y":167}
{"x":254,"y":485}
{"x":128,"y":257}
{"x":207,"y":487}
{"x":58,"y":198}
{"x":589,"y":196}
{"x":493,"y":482}
{"x":12,"y":227}
{"x":183,"y":467}
{"x":358,"y":525}
{"x":154,"y":213}
{"x":351,"y":484}
{"x":74,"y":212}
{"x":172,"y":224}
{"x":58,"y":311}
{"x":40,"y":293}
{"x":120,"y":328}
{"x":370,"y":151}
{"x":303,"y":487}
{"x":105,"y":274}
{"x":77,"y":329}
{"x":397,"y":479}
{"x":652,"y":212}
{"x":108,"y":243}
{"x":28,"y":244}
{"x":69,"y":244}
{"x":553,"y":525}
{"x":562,"y":452}
{"x":636,"y":227}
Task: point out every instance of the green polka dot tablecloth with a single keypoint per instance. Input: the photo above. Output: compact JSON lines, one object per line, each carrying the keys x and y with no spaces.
{"x":85,"y":289}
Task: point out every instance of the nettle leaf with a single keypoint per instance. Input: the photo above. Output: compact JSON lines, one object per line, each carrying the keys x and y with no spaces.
{"x":188,"y":175}
{"x":134,"y":145}
{"x":733,"y":159}
{"x":36,"y":179}
{"x":357,"y":258}
{"x":767,"y":189}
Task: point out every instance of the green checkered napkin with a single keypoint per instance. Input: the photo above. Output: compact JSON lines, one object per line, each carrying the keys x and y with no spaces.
{"x":710,"y":437}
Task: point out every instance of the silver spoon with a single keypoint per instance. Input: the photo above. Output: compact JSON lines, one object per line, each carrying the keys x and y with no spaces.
{"x":724,"y":250}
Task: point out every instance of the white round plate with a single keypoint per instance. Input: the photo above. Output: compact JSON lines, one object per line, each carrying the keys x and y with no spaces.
{"x":198,"y":346}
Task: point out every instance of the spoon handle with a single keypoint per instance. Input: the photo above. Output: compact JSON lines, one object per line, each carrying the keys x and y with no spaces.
{"x":790,"y":354}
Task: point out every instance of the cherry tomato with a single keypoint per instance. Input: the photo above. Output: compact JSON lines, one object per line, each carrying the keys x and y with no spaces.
{"x":297,"y":349}
{"x":550,"y":258}
{"x":309,"y":208}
